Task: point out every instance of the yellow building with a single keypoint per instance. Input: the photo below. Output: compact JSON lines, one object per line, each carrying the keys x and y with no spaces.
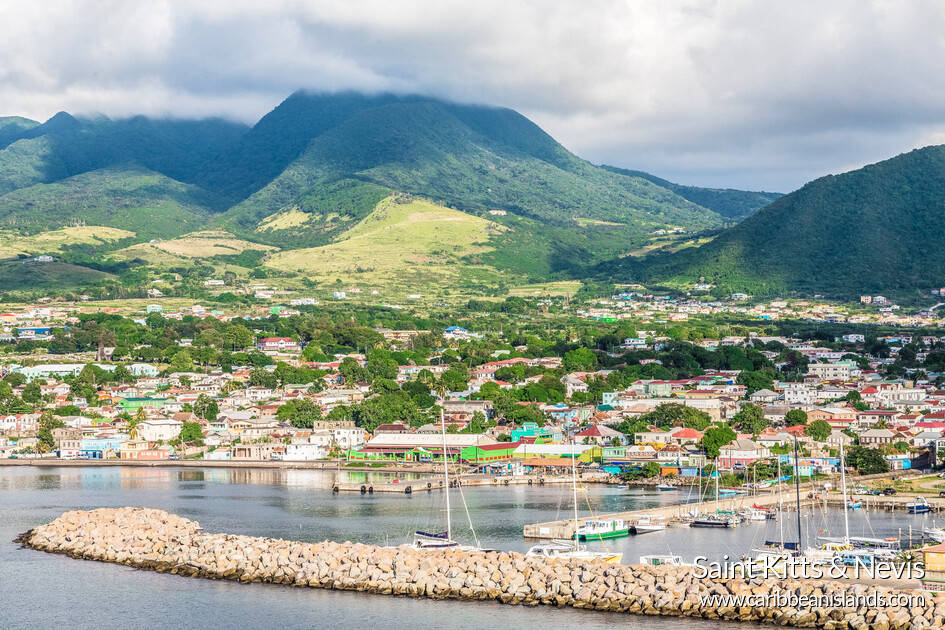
{"x":934,"y":560}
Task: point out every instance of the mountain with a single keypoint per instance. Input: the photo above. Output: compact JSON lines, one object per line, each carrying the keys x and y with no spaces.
{"x":473,"y":158}
{"x":129,"y":198}
{"x":319,"y":164}
{"x":728,"y":202}
{"x":875,"y":229}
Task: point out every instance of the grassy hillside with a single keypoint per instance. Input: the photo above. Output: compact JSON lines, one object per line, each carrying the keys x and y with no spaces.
{"x":475,"y":159}
{"x":14,"y":244}
{"x":876,"y":229}
{"x":132,"y":198}
{"x":404,"y":242}
{"x":731,"y":204}
{"x":29,"y":275}
{"x":12,"y":126}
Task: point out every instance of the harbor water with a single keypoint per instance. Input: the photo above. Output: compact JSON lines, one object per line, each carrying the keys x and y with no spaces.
{"x":43,"y":590}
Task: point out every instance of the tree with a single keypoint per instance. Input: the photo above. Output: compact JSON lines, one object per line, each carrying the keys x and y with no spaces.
{"x":32,"y":393}
{"x":181,"y":362}
{"x":454,"y":380}
{"x":191,"y":432}
{"x":867,"y":461}
{"x":580,"y":360}
{"x":302,"y":414}
{"x":206,"y":407}
{"x":48,"y":422}
{"x":715,"y":438}
{"x":795,"y":417}
{"x":754,"y":380}
{"x":352,"y":372}
{"x":258,"y":377}
{"x":15,"y":379}
{"x":820,"y":430}
{"x":751,"y":419}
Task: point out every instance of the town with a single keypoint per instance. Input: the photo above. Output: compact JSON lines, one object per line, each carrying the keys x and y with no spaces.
{"x":637,"y":397}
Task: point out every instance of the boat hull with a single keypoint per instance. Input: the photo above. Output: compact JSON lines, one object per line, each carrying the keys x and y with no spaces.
{"x":619,"y":533}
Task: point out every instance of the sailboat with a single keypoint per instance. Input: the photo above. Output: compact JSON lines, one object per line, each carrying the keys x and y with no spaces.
{"x":718,"y":519}
{"x":444,"y":539}
{"x":778,"y":551}
{"x":571,"y":549}
{"x":844,"y":548}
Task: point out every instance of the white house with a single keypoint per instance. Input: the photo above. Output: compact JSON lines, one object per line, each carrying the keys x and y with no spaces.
{"x":159,"y":429}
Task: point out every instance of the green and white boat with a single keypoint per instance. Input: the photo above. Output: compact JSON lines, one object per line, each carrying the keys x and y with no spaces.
{"x":597,"y":530}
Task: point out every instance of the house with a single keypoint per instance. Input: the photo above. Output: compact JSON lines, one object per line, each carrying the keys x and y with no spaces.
{"x":837,"y":417}
{"x":876,"y":437}
{"x":254,"y":452}
{"x":741,"y":453}
{"x":158,"y":429}
{"x":839,"y":371}
{"x":763,"y":397}
{"x":304,"y":452}
{"x":417,"y":446}
{"x":463,"y":410}
{"x":483,"y":453}
{"x":277,"y":344}
{"x":599,"y":434}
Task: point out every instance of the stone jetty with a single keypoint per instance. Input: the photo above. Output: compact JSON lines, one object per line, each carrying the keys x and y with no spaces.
{"x":156,"y":540}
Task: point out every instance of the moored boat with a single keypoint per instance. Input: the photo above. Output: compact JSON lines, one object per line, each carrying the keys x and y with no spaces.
{"x":597,"y":529}
{"x":934,"y":533}
{"x":567,"y":549}
{"x":665,"y":487}
{"x":919,"y":506}
{"x":646,"y":525}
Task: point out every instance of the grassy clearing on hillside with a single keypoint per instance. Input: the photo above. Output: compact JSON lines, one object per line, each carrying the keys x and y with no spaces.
{"x":28,"y":275}
{"x":563,"y":287}
{"x":284,"y":220}
{"x":404,"y":242}
{"x":53,"y":241}
{"x":206,"y":244}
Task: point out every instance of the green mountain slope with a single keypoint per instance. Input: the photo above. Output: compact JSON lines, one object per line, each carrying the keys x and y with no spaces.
{"x":728,"y":202}
{"x":876,"y":229}
{"x":130,"y":198}
{"x":475,"y":159}
{"x":12,"y":126}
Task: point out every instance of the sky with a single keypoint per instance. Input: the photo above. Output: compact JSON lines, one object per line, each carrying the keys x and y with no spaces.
{"x":757,"y":95}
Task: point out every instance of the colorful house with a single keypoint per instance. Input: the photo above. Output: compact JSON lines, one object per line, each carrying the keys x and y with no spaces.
{"x":484,"y":453}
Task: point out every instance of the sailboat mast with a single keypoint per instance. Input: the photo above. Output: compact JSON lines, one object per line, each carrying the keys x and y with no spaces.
{"x":574,"y":487}
{"x":797,"y":490}
{"x":780,"y":504}
{"x":446,"y":476}
{"x":843,"y":484}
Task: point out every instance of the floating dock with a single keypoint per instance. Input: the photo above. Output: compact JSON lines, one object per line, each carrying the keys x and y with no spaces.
{"x":428,"y":484}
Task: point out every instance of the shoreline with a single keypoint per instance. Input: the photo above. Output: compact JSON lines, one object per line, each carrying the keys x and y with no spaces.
{"x":200,"y":463}
{"x":155,"y":540}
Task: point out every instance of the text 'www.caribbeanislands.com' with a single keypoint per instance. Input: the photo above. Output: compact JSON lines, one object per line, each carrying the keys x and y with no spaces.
{"x":810,"y":601}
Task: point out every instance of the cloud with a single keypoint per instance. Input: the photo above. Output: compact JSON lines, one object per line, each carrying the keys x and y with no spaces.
{"x":735,"y":93}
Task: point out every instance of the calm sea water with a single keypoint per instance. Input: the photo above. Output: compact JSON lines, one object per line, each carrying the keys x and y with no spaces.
{"x":42,"y":590}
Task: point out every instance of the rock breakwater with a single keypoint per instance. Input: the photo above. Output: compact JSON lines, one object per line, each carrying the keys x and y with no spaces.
{"x":156,"y":540}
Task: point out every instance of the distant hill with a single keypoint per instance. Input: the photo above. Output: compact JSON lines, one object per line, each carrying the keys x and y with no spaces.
{"x":130,"y":198}
{"x":728,"y":202}
{"x":319,"y":163}
{"x":875,"y":229}
{"x":472,"y":158}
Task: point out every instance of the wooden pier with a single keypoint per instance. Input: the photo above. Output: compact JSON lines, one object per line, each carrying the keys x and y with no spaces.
{"x":428,"y":484}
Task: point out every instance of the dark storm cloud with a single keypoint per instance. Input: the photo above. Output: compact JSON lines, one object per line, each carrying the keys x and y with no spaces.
{"x":749,"y":94}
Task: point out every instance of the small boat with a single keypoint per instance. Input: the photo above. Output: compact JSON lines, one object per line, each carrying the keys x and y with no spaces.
{"x":934,"y":533}
{"x":919,"y":506}
{"x":665,"y":487}
{"x":854,"y":505}
{"x":591,"y":530}
{"x":567,"y":549}
{"x":662,"y":560}
{"x":755,"y":515}
{"x":622,"y":487}
{"x":438,"y":540}
{"x":647,"y":525}
{"x":714,"y":520}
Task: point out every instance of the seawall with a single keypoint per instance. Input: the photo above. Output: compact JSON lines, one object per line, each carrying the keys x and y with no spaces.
{"x":156,"y":540}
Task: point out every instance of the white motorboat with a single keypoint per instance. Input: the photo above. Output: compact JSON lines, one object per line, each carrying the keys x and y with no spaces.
{"x":934,"y":533}
{"x":646,"y":525}
{"x":570,"y":550}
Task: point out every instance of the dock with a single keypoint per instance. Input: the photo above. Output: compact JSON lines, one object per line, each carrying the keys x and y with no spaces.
{"x":428,"y":484}
{"x":767,"y":498}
